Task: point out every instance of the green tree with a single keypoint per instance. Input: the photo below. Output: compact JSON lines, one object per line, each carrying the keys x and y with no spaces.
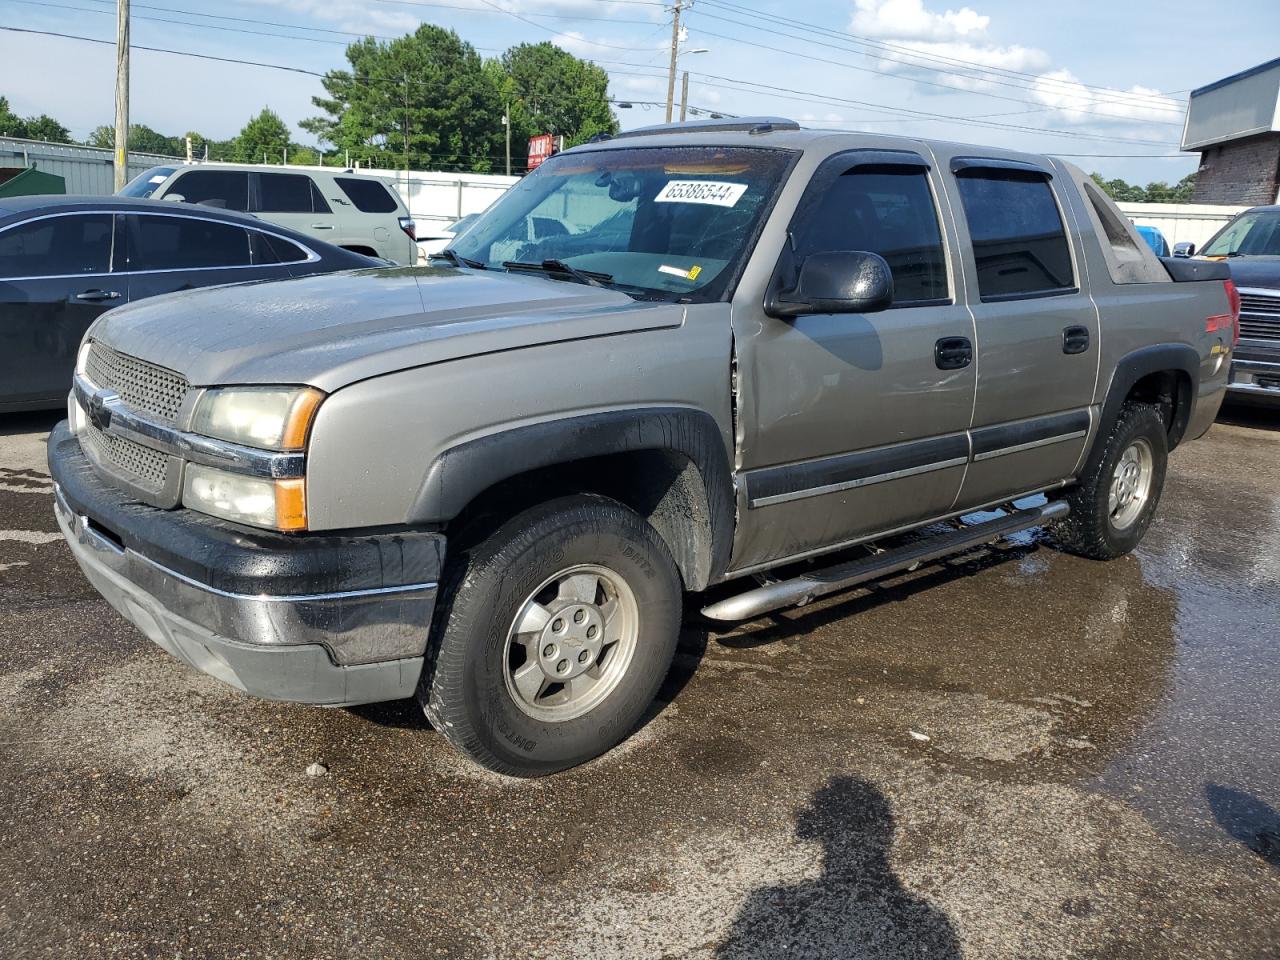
{"x":43,"y":127}
{"x":1155,"y":192}
{"x":424,"y":98}
{"x":142,"y":139}
{"x":266,"y":134}
{"x":552,"y":91}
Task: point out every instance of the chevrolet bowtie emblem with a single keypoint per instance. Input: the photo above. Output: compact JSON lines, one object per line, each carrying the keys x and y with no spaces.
{"x":99,"y":413}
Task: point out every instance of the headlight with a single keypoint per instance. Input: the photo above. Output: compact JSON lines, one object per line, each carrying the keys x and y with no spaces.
{"x":274,"y":418}
{"x":257,"y":501}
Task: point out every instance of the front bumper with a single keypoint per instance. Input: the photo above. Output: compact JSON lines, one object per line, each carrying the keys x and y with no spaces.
{"x":335,"y":620}
{"x":1255,"y":379}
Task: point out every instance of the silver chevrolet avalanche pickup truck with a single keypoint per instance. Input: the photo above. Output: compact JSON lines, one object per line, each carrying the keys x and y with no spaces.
{"x":688,"y":356}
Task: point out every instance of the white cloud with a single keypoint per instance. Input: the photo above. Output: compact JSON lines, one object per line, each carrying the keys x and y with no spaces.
{"x":1061,"y":91}
{"x":351,"y":15}
{"x":909,"y":20}
{"x":954,"y":49}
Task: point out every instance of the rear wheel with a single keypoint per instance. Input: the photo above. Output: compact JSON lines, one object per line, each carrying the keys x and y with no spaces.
{"x":1113,"y":504}
{"x":552,"y":637}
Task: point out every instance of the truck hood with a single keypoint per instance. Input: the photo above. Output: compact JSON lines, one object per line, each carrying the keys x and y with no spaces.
{"x":334,"y":329}
{"x":1255,"y":271}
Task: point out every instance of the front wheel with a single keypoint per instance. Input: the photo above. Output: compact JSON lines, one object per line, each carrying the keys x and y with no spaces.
{"x":1114,"y":502}
{"x":553,"y":637}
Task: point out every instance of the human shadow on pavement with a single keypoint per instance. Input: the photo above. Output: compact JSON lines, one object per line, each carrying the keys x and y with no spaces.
{"x":857,"y":909}
{"x":1246,"y":819}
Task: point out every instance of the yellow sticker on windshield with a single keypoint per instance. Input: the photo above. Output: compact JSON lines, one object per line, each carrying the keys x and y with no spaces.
{"x":683,"y":274}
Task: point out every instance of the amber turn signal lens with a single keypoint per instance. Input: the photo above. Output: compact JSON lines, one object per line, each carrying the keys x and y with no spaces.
{"x":291,"y":505}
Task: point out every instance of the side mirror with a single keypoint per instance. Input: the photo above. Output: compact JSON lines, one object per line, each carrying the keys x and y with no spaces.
{"x":1184,"y":249}
{"x":841,"y":281}
{"x":174,"y":197}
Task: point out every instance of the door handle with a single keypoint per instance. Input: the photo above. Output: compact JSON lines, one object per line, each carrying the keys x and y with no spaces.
{"x":96,"y":296}
{"x":953,"y":353}
{"x":1075,"y":339}
{"x":322,"y":226}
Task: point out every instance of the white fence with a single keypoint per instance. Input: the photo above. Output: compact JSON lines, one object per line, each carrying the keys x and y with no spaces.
{"x":1180,"y":222}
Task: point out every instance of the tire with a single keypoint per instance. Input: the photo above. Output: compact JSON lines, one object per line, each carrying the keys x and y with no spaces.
{"x":1103,"y":528}
{"x":515,"y":610}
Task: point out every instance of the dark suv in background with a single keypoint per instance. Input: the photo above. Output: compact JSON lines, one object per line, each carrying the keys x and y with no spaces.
{"x":1251,"y":245}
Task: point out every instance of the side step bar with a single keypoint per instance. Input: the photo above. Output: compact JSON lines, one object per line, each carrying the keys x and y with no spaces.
{"x":818,"y":583}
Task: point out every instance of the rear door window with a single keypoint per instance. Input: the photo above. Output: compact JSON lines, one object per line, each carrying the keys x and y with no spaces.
{"x":221,"y":189}
{"x":273,"y":249}
{"x":369,"y":196}
{"x":289,"y":193}
{"x":1019,"y":244}
{"x":887,"y":210}
{"x":158,"y":242}
{"x":72,"y":245}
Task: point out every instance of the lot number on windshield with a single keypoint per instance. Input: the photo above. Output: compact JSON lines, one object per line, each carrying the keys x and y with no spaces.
{"x":712,"y":192}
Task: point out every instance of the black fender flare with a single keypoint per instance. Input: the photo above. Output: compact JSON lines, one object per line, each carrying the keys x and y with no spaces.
{"x":1131,"y":368}
{"x":462,"y":472}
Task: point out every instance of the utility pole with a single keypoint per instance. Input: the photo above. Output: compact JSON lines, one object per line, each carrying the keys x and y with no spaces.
{"x":506,"y":122}
{"x":675,"y":53}
{"x":122,"y":94}
{"x":684,"y":96}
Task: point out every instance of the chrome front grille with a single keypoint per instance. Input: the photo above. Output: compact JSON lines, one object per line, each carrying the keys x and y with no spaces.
{"x":150,"y":391}
{"x":146,"y":388}
{"x":141,"y":465}
{"x":1260,"y":316}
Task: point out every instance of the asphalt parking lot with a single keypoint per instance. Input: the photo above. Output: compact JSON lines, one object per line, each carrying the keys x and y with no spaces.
{"x":1020,"y":755}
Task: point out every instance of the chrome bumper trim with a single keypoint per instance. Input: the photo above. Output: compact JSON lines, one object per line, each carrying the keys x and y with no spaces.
{"x":1250,"y":368}
{"x":108,"y":412}
{"x":355,"y":626}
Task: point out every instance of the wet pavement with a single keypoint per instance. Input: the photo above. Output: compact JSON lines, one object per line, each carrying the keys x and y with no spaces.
{"x":1019,"y":755}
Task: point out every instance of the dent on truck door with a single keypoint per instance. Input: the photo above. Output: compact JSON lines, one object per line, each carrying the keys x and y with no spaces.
{"x":1037,"y":350}
{"x":856,"y":423}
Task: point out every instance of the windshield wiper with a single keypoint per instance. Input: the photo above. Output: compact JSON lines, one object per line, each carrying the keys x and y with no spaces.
{"x":456,"y":259}
{"x":590,"y":277}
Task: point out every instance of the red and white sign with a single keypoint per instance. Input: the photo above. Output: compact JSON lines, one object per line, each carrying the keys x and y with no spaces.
{"x":541,"y":147}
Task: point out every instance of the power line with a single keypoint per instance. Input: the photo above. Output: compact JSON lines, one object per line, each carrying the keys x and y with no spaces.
{"x":736,"y":83}
{"x":946,"y":86}
{"x":917,"y":55}
{"x":726,"y":83}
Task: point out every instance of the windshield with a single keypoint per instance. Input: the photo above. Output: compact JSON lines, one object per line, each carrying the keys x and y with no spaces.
{"x":146,"y":183}
{"x":1255,"y":233}
{"x":667,"y":222}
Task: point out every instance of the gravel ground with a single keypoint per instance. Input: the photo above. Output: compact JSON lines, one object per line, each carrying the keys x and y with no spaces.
{"x":1018,"y":755}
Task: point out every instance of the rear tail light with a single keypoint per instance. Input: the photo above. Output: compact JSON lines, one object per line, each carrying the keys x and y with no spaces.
{"x":1233,"y":300}
{"x":411,"y":229}
{"x":1231,"y":320}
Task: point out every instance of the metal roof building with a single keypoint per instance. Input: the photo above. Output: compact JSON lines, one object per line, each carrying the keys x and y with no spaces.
{"x":1234,"y":123}
{"x":86,"y":170}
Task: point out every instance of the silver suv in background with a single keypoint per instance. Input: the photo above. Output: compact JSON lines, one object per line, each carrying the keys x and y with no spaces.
{"x":358,"y":213}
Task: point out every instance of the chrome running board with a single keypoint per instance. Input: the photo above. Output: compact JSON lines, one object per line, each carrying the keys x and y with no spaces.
{"x":818,"y":583}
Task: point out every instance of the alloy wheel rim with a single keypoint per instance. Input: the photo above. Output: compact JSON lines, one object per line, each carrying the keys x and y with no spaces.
{"x":1130,"y":484}
{"x":571,"y":643}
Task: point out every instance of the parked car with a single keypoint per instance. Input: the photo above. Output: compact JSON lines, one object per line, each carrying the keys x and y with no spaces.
{"x":433,"y":240}
{"x":1250,"y":244}
{"x":356,"y":212}
{"x":489,"y":483}
{"x":64,"y":260}
{"x":1154,"y":239}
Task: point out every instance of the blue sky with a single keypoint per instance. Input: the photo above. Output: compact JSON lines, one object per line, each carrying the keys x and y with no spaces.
{"x":1088,"y":77}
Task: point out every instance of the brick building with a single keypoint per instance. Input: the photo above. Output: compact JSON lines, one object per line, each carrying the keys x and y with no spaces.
{"x":1234,"y":124}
